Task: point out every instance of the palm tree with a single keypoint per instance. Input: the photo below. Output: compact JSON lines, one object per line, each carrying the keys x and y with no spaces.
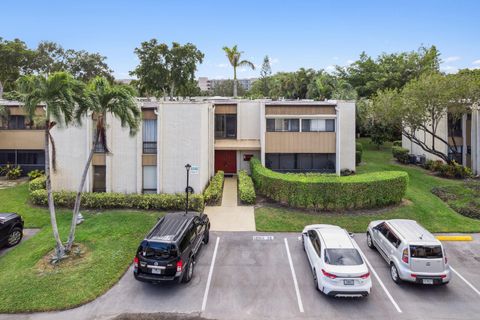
{"x":60,"y":92}
{"x":116,"y":100}
{"x":234,"y":56}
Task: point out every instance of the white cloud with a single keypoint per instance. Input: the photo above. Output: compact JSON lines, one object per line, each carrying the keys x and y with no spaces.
{"x":476,"y":62}
{"x":222,"y":65}
{"x":448,"y":68}
{"x":451,"y":59}
{"x":335,"y":58}
{"x":350,"y":61}
{"x":330,"y":68}
{"x":274,"y":61}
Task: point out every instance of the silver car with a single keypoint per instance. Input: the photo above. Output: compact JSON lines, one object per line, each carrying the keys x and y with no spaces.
{"x":412,"y":252}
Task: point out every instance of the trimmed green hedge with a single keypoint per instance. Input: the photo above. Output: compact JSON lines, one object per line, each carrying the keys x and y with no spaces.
{"x":246,"y":190}
{"x":213,"y":193}
{"x":401,"y":154}
{"x":37,"y":184}
{"x":358,"y":153}
{"x":397,"y":143}
{"x":368,"y":190}
{"x":93,"y":200}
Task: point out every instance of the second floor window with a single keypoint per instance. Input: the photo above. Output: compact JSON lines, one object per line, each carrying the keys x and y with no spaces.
{"x":16,"y":122}
{"x":149,"y":136}
{"x":318,"y":125}
{"x":226,"y":126}
{"x":283,"y":125}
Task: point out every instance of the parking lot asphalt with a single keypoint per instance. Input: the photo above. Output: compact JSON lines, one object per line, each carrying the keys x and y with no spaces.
{"x":250,"y":275}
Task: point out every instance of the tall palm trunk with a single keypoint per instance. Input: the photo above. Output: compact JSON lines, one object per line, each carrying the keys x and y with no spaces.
{"x":59,"y":249}
{"x":76,"y":207}
{"x":234,"y":81}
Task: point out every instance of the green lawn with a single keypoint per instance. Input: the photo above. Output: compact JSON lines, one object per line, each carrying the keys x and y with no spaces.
{"x":110,"y":237}
{"x":422,"y":205}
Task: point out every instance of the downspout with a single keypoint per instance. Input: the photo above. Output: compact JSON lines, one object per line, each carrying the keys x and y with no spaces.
{"x":88,"y":145}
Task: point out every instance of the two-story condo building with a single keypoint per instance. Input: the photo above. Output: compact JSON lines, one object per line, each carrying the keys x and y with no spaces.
{"x":21,"y":141}
{"x":210,"y":135}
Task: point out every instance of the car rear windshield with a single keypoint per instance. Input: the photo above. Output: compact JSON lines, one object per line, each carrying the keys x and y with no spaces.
{"x":343,"y":257}
{"x":160,"y":250}
{"x":426,"y":252}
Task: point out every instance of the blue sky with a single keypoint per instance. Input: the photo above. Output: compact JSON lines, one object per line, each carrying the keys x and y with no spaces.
{"x":316,"y":34}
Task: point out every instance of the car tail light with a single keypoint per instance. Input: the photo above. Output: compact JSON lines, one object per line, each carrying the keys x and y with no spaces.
{"x":329,"y":275}
{"x":405,"y":255}
{"x":135,"y":262}
{"x":443,"y":276}
{"x":365,"y":276}
{"x":413,"y":275}
{"x":179,"y":266}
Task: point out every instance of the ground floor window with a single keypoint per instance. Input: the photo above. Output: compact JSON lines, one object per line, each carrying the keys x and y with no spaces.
{"x":149,"y":179}
{"x":28,"y":160}
{"x":300,"y":162}
{"x":99,"y":179}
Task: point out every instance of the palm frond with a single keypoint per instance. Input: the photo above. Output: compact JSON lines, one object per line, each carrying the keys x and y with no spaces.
{"x":246,"y":63}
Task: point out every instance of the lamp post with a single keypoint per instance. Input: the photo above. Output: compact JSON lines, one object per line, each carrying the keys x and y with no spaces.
{"x":187,"y":189}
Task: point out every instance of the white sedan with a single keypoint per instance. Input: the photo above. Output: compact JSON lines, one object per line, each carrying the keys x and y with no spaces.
{"x":337,"y":265}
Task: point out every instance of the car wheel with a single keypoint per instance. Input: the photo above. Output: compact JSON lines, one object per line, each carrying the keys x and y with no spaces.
{"x":14,"y":237}
{"x":394,"y":274}
{"x":189,"y":272}
{"x":206,"y":236}
{"x":370,"y":243}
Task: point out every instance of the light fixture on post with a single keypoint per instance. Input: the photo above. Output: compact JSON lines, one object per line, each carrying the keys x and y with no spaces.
{"x":187,"y":189}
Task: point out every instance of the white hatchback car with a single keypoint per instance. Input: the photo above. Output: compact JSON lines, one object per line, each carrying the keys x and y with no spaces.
{"x":337,"y":265}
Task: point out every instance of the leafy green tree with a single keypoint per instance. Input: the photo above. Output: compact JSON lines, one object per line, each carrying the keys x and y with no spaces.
{"x":15,"y":60}
{"x":60,"y":93}
{"x":105,"y":99}
{"x":166,"y":71}
{"x":235,"y":58}
{"x":265,"y":73}
{"x":51,"y":57}
{"x":422,"y":105}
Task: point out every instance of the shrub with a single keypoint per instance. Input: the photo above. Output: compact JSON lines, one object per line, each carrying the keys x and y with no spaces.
{"x":359,"y":147}
{"x":367,"y":190}
{"x":358,"y":157}
{"x":428,"y":164}
{"x":35,"y":174}
{"x":246,"y":190}
{"x":37,"y":184}
{"x":13,"y":173}
{"x":401,"y":154}
{"x":92,"y":200}
{"x":213,"y":193}
{"x":454,"y":170}
{"x":397,"y":143}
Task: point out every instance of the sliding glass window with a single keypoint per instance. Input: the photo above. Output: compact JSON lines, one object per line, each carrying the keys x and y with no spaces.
{"x":318,"y":125}
{"x":226,"y":126}
{"x":150,"y":136}
{"x":283,"y":125}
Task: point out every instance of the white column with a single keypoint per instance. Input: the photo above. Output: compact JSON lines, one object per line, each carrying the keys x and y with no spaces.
{"x":475,"y":141}
{"x":464,"y":139}
{"x":337,"y":141}
{"x":263,"y":129}
{"x":160,"y":144}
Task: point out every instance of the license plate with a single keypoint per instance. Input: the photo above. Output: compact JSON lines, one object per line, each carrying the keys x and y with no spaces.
{"x":349,"y":282}
{"x":427,"y":281}
{"x":156,"y":271}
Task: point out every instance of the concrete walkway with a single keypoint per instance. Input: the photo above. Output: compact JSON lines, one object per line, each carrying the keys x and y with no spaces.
{"x":230,"y":216}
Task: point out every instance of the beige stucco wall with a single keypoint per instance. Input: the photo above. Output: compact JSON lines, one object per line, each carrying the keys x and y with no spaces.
{"x":248,"y":120}
{"x":442,"y":131}
{"x":22,"y":139}
{"x":184,"y":138}
{"x":346,"y":135}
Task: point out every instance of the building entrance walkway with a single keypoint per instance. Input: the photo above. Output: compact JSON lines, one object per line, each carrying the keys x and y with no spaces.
{"x":230,"y":216}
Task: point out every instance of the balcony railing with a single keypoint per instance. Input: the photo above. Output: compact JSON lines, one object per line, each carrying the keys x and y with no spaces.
{"x":149,"y":147}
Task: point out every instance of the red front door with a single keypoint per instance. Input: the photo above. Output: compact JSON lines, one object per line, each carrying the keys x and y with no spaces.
{"x":226,"y":161}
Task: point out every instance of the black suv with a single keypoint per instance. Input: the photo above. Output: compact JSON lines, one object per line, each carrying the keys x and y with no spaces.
{"x":11,"y":229}
{"x":169,"y":250}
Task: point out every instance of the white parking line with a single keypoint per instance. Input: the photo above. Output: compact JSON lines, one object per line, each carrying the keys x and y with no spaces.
{"x":465,"y":280}
{"x":210,"y":273}
{"x":381,"y":283}
{"x":297,"y":291}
